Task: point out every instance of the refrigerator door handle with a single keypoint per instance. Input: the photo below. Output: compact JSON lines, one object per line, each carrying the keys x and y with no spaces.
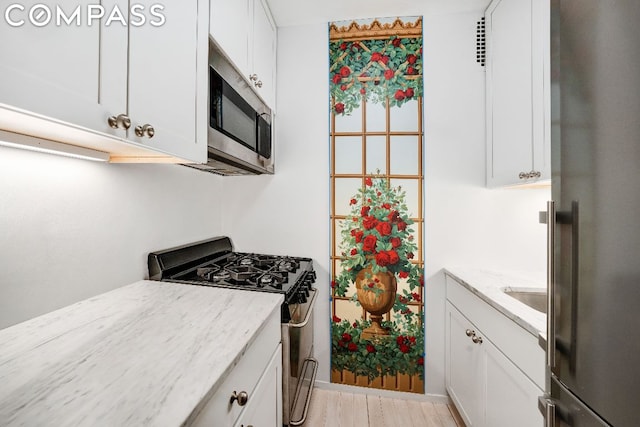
{"x":548,"y":409}
{"x":551,"y":272}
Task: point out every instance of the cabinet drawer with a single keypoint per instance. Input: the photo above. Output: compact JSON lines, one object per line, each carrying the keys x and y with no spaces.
{"x":243,"y":376}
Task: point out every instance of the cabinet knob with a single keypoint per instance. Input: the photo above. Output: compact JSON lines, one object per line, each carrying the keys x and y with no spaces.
{"x":258,"y":83}
{"x":241,"y":397}
{"x":121,"y":121}
{"x":253,"y":77}
{"x":476,"y":339}
{"x":529,"y":175}
{"x":470,"y":333}
{"x":147,"y":130}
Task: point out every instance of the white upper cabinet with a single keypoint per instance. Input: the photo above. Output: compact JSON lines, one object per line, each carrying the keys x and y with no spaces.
{"x":68,"y":81}
{"x":55,"y":71}
{"x":517,"y":92}
{"x":163,"y":83}
{"x":229,"y":26}
{"x":246,"y":33}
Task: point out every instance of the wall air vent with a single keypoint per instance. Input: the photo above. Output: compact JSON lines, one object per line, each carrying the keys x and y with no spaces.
{"x":481,"y":44}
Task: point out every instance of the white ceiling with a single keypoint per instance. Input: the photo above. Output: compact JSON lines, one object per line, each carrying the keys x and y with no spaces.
{"x":302,"y":12}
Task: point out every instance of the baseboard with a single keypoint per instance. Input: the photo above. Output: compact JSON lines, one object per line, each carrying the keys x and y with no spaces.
{"x":434,"y":398}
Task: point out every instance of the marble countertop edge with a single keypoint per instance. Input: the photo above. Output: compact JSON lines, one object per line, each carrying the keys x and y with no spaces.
{"x":490,"y":286}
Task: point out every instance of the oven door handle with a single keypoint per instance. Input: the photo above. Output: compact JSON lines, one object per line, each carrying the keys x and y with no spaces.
{"x":309,"y":312}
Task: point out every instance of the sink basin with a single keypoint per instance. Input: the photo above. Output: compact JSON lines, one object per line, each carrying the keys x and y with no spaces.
{"x":534,"y":299}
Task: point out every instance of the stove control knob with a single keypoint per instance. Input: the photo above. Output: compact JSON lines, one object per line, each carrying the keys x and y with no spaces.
{"x":302,"y":297}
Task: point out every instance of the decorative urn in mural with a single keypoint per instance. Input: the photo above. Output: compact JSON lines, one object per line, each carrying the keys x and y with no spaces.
{"x":376,"y":294}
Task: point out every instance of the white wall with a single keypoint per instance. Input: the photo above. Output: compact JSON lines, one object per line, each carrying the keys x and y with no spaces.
{"x":465,"y":223}
{"x":71,"y":229}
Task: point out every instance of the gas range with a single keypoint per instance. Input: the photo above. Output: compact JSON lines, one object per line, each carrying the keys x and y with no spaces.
{"x":214,"y":263}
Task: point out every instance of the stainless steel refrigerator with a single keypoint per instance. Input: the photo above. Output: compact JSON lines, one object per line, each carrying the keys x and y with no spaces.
{"x":594,"y":233}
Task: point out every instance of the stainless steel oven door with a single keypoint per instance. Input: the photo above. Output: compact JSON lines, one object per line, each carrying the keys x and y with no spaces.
{"x":298,"y":365}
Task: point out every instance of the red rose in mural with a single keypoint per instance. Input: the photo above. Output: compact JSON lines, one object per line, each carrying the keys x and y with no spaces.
{"x":402,"y":226}
{"x":343,"y":87}
{"x":400,"y":340}
{"x":396,"y":42}
{"x":411,"y":70}
{"x":393,"y":257}
{"x":369,"y":222}
{"x":345,"y":71}
{"x":364,"y":211}
{"x":333,"y":283}
{"x":403,"y":274}
{"x":339,"y":108}
{"x":363,"y":91}
{"x":384,"y":228}
{"x":393,"y":216}
{"x":346,"y":337}
{"x":343,"y":46}
{"x":395,"y":242}
{"x":336,"y":79}
{"x":353,"y":202}
{"x":420,"y":361}
{"x":411,"y":58}
{"x":354,"y":251}
{"x":409,"y":255}
{"x":371,"y":348}
{"x":416,"y":296}
{"x":404,"y":348}
{"x":412,"y":340}
{"x":399,"y":95}
{"x":369,"y":243}
{"x":388,"y":74}
{"x":382,"y":259}
{"x":352,"y":346}
{"x":409,"y":93}
{"x":336,"y":319}
{"x":376,"y":56}
{"x":368,"y":182}
{"x":359,"y":235}
{"x":386,"y":205}
{"x":385,"y":59}
{"x":421,"y":280}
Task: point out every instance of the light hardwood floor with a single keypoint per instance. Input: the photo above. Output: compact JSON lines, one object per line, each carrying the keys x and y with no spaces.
{"x":330,"y":408}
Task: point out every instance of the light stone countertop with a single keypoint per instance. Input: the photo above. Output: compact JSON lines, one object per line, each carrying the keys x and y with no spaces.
{"x":144,"y":354}
{"x":489,"y":286}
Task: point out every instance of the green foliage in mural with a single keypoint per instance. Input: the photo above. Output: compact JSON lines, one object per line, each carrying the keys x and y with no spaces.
{"x":401,"y":352}
{"x":375,"y":70}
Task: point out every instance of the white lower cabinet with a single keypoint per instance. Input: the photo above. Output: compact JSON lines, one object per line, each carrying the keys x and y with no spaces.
{"x":256,"y":382}
{"x":488,"y":388}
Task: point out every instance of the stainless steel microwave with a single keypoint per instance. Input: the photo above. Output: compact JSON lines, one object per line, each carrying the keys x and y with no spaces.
{"x":240,"y":124}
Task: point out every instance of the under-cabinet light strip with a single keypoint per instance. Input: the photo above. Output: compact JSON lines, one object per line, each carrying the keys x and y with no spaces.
{"x":25,"y":142}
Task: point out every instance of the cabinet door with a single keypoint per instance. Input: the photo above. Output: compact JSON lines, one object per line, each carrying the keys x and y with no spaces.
{"x":68,"y":72}
{"x":516,"y":93}
{"x":163,"y":76}
{"x":264,"y":407}
{"x":264,"y":53}
{"x":511,"y":397}
{"x":463,"y":370}
{"x":229,"y":26}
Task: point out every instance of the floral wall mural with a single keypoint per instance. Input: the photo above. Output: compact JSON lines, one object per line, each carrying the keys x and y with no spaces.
{"x":376,"y":203}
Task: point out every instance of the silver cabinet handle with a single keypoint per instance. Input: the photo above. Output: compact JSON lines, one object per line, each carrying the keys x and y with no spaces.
{"x":529,"y":175}
{"x":258,"y":83}
{"x":470,"y":333}
{"x":476,"y":339}
{"x":241,"y":397}
{"x":121,"y":121}
{"x":551,"y":272}
{"x":147,"y":130}
{"x":253,"y":77}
